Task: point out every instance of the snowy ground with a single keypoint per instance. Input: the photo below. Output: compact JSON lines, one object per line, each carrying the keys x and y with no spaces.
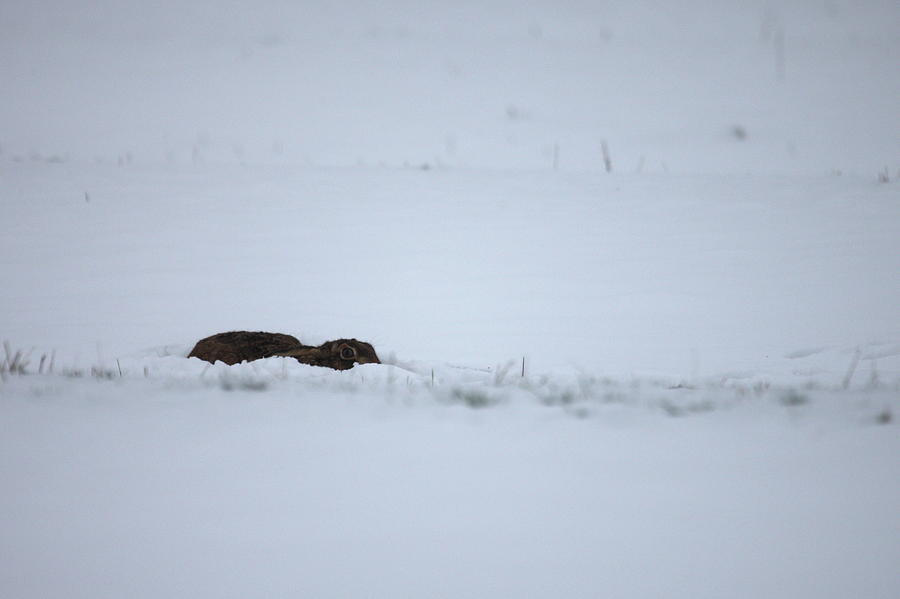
{"x":710,"y":332}
{"x":174,"y":487}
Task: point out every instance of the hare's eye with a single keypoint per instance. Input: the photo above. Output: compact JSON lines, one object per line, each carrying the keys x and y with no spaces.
{"x":348,"y":353}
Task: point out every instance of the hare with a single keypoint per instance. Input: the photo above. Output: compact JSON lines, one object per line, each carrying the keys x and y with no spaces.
{"x":240,"y":346}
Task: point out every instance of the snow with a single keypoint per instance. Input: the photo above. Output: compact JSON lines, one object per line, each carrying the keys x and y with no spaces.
{"x":710,"y":332}
{"x":174,"y":487}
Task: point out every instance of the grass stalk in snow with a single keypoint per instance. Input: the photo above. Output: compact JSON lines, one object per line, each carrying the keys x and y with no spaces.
{"x":780,"y":59}
{"x":607,"y":160}
{"x":501,"y":373}
{"x":15,"y":363}
{"x":854,"y":362}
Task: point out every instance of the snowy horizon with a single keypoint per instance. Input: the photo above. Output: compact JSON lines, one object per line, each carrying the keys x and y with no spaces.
{"x":693,"y":87}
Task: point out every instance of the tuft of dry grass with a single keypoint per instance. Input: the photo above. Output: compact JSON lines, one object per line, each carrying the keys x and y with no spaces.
{"x":14,"y":363}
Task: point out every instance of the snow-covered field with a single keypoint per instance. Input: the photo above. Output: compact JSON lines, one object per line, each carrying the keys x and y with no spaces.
{"x":710,"y":332}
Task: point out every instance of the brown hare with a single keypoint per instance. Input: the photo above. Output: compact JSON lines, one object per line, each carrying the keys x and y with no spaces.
{"x":240,"y":346}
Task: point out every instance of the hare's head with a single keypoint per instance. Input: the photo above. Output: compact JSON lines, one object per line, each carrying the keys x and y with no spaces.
{"x":341,"y":354}
{"x":347,"y":352}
